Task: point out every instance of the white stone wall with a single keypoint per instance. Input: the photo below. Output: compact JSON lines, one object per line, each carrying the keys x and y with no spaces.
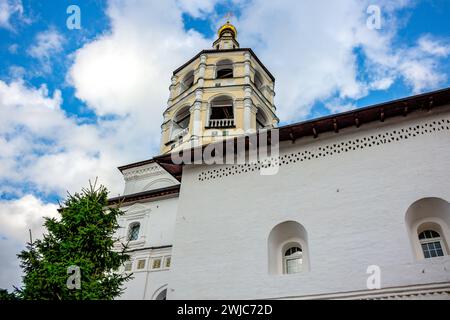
{"x":352,"y":205}
{"x":147,"y":177}
{"x":157,"y":219}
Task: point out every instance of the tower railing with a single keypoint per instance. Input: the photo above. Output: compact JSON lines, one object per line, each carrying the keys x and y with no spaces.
{"x":179,"y":134}
{"x":221,"y":123}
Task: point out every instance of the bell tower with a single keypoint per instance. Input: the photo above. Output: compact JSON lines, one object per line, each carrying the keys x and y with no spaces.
{"x":222,"y":92}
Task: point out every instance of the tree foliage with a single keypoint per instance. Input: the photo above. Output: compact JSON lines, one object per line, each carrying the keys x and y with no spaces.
{"x":83,"y":237}
{"x":6,"y":296}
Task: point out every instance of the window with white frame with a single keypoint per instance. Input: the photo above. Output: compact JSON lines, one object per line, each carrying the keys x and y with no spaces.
{"x":293,"y":260}
{"x":167,"y":261}
{"x":133,"y":231}
{"x":432,"y":244}
{"x":288,"y":251}
{"x":428,"y":224}
{"x":156,"y":263}
{"x":141,"y":264}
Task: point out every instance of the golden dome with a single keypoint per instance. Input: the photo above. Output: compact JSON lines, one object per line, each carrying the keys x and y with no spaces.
{"x":227,"y":27}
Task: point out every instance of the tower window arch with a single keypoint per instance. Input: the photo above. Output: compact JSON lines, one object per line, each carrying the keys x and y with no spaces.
{"x":180,"y":123}
{"x":224,"y":69}
{"x":428,"y":224}
{"x":261,"y":120}
{"x":133,"y":231}
{"x":258,"y":80}
{"x":188,"y":81}
{"x":221,"y":114}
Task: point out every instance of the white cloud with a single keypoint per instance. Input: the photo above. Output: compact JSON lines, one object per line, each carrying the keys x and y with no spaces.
{"x":13,"y":49}
{"x":43,"y":147}
{"x":310,"y":48}
{"x":129,"y":69}
{"x":433,"y":46}
{"x":198,"y":8}
{"x":16,"y":218}
{"x":17,"y":72}
{"x":46,"y":45}
{"x":336,"y":106}
{"x":9,"y":9}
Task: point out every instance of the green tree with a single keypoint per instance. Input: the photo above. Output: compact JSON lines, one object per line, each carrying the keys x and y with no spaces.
{"x":5,"y":296}
{"x":82,"y":237}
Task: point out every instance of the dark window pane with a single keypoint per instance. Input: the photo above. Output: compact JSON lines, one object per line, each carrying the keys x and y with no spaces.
{"x":221,"y":113}
{"x":429,"y":234}
{"x":225,"y":73}
{"x":134,"y":232}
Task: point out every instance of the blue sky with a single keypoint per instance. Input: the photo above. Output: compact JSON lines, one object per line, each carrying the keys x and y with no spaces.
{"x":75,"y":104}
{"x":428,"y":16}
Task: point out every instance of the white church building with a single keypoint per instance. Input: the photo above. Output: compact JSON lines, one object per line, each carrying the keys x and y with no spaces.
{"x":357,"y":207}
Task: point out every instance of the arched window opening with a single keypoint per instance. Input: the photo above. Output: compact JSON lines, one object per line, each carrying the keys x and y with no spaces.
{"x":258,"y":80}
{"x":431,"y":243}
{"x":180,"y":123}
{"x":162,"y":295}
{"x":428,"y":226}
{"x":288,"y":249}
{"x":224,"y":69}
{"x":188,"y":81}
{"x":293,"y":260}
{"x":221,"y":113}
{"x":261,"y":120}
{"x":133,"y":231}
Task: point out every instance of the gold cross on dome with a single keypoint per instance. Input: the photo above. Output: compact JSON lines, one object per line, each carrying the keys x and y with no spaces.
{"x":228,"y":15}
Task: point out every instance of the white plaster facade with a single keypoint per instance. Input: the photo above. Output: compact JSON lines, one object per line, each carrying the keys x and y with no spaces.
{"x":349,"y":199}
{"x":353,"y":206}
{"x":156,"y":219}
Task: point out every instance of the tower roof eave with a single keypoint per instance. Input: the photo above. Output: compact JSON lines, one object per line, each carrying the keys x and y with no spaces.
{"x":213,"y":51}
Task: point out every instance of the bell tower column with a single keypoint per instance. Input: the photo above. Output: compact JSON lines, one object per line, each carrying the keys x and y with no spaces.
{"x":248,"y":104}
{"x":247,"y":68}
{"x":201,"y":71}
{"x":196,"y":117}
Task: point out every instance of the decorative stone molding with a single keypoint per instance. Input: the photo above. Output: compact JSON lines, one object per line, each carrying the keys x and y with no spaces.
{"x":136,"y":211}
{"x":439,"y":291}
{"x":143,"y":172}
{"x":331,"y":149}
